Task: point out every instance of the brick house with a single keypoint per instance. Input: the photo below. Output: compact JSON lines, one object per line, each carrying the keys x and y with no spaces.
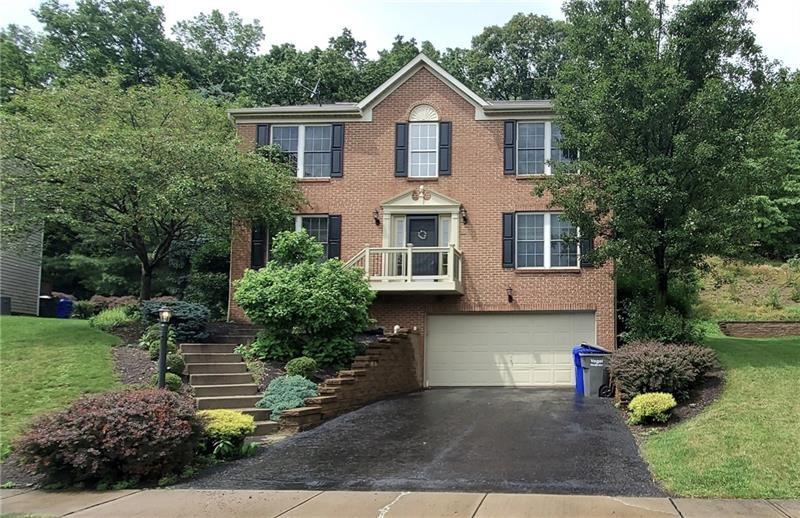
{"x":427,"y":187}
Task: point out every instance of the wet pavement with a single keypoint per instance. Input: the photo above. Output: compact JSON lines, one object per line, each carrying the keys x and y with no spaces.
{"x":465,"y":439}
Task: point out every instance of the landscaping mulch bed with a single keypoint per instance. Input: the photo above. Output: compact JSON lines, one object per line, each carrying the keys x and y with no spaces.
{"x":12,"y":472}
{"x":133,"y":365}
{"x":700,"y":397}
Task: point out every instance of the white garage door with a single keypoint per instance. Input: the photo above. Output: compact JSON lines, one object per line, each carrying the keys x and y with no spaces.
{"x":515,"y":350}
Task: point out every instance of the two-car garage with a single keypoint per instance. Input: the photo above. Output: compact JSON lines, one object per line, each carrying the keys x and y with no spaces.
{"x":504,"y":349}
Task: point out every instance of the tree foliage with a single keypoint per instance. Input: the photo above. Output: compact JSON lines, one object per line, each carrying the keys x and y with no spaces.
{"x":138,"y":168}
{"x":664,"y":111}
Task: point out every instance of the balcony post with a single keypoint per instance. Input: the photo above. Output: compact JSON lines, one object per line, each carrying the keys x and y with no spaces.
{"x":367,"y":264}
{"x":451,"y":257}
{"x":409,"y":255}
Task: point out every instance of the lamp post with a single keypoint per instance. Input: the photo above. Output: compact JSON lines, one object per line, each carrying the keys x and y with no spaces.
{"x":164,"y":316}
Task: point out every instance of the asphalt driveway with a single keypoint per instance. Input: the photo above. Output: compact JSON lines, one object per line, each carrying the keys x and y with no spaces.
{"x":465,"y":439}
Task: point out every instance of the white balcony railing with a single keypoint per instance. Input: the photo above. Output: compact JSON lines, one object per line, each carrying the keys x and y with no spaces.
{"x":419,"y":269}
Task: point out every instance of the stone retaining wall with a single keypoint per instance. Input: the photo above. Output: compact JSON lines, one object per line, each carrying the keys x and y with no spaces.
{"x":387,"y":368}
{"x":762,"y":329}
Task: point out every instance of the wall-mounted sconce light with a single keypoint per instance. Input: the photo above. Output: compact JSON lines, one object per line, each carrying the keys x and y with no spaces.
{"x":510,"y":293}
{"x":376,"y":215}
{"x":463,"y":212}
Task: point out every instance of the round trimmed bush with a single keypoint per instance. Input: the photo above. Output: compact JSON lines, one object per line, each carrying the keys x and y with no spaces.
{"x":173,"y":381}
{"x":302,"y":366}
{"x":654,"y":406}
{"x":227,"y":425}
{"x":151,"y":340}
{"x":175,"y":363}
{"x":132,"y":435}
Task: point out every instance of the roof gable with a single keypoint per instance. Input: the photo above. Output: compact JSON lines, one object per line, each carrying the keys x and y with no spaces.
{"x":405,"y":73}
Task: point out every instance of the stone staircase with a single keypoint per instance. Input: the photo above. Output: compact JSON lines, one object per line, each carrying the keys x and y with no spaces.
{"x":220,"y":379}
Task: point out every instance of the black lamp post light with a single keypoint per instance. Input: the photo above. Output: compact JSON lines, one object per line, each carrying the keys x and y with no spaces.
{"x":164,"y":316}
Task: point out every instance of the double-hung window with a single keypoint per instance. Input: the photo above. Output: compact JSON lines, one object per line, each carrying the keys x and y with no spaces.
{"x":316,"y":226}
{"x":423,"y":145}
{"x":308,"y":146}
{"x":539,"y":147}
{"x":545,"y":240}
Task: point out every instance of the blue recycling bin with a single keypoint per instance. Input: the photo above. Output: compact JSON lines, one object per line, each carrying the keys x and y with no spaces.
{"x":580,"y":354}
{"x":64,"y":308}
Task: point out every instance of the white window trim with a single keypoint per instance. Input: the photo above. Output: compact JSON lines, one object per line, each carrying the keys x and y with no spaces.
{"x":301,"y":145}
{"x":547,"y":243}
{"x":548,"y":148}
{"x":435,"y":150}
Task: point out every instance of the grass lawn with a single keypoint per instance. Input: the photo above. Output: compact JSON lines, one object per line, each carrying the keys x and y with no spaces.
{"x":46,"y":363}
{"x":747,"y":444}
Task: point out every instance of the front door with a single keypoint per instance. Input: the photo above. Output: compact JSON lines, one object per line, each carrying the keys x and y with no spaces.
{"x":422,"y":233}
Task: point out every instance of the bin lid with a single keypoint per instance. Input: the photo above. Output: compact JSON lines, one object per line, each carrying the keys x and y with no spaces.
{"x":583,"y":348}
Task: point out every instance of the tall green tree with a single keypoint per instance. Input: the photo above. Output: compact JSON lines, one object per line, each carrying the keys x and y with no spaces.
{"x":136,"y":168}
{"x":25,"y":59}
{"x":99,"y":36}
{"x":219,"y":49}
{"x":518,"y":60}
{"x":663,"y":109}
{"x":778,"y":211}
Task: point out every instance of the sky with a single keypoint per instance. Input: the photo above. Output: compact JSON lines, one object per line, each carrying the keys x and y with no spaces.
{"x":446,"y":23}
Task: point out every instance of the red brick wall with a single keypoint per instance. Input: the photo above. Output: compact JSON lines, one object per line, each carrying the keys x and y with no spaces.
{"x":477,"y":181}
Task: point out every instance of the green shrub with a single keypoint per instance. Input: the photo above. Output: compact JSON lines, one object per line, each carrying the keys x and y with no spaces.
{"x":653,"y":406}
{"x":227,"y":424}
{"x":83,"y":309}
{"x":113,"y":318}
{"x":302,"y":366}
{"x":132,"y":436}
{"x":173,"y":381}
{"x":307,"y":309}
{"x":175,"y":363}
{"x":291,"y":248}
{"x":643,"y":322}
{"x":287,"y":392}
{"x":151,"y":340}
{"x":642,"y":367}
{"x":189,"y":320}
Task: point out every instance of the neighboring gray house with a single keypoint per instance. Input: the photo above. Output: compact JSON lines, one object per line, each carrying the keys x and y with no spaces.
{"x":21,"y":272}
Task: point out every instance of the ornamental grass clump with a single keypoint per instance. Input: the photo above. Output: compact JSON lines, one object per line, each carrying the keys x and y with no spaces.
{"x":131,"y":436}
{"x":651,"y":407}
{"x":287,"y":392}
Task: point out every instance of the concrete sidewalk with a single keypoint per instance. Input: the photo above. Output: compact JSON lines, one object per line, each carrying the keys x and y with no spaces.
{"x":180,"y":503}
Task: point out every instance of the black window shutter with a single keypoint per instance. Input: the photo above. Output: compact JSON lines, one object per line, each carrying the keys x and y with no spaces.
{"x":337,"y":150}
{"x":587,"y":245}
{"x":334,"y":236}
{"x":262,"y":135}
{"x":258,"y":247}
{"x":401,"y":149}
{"x":445,"y":139}
{"x":508,"y":240}
{"x":509,"y":146}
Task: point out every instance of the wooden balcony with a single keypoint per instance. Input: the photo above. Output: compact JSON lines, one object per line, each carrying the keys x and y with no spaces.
{"x":411,"y":269}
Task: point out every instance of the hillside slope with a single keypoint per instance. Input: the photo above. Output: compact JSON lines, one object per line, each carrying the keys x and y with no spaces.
{"x":735,"y":290}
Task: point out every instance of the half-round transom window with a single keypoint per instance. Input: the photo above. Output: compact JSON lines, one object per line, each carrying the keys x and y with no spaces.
{"x":423,"y":112}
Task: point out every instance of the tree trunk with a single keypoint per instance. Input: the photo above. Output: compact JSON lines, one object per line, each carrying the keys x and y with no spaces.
{"x":662,"y":290}
{"x":146,"y":283}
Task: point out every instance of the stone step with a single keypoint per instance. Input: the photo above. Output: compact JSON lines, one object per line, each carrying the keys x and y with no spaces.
{"x":234,"y":389}
{"x":265,"y":428}
{"x":232,"y":402}
{"x":208,"y":348}
{"x":191,"y":358}
{"x":319,"y":400}
{"x":326,"y":391}
{"x":220,"y":379}
{"x":351,"y":373}
{"x":259,"y":414}
{"x":360,"y":365}
{"x":216,"y":368}
{"x":366,"y":358}
{"x":340,"y":381}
